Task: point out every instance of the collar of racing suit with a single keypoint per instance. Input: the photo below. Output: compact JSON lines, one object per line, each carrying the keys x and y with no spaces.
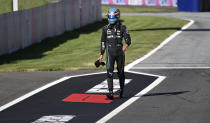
{"x":115,"y":26}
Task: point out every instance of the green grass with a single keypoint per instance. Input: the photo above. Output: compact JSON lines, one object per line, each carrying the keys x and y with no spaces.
{"x":6,"y":5}
{"x":79,"y":49}
{"x":139,"y":9}
{"x":26,"y":4}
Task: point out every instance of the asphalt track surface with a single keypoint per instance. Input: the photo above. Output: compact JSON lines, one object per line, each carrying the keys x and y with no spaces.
{"x":183,"y":97}
{"x":70,"y":97}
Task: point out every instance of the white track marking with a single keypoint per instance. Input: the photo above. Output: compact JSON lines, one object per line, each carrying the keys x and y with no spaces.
{"x":131,"y":100}
{"x":103,"y":87}
{"x":87,"y":74}
{"x":147,"y":74}
{"x":48,"y":86}
{"x":158,"y":68}
{"x":129,"y":66}
{"x":41,"y":89}
{"x":55,"y":119}
{"x":32,"y":93}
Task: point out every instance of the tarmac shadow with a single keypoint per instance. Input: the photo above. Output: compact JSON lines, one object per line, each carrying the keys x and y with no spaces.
{"x":159,"y":94}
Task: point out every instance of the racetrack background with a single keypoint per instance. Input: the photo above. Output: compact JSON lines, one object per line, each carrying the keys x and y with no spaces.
{"x":78,"y":49}
{"x":182,"y":96}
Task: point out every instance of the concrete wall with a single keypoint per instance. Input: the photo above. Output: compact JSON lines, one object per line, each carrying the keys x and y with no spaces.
{"x":23,"y":28}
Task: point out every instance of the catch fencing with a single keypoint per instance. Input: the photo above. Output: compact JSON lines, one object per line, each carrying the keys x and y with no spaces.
{"x":23,"y":28}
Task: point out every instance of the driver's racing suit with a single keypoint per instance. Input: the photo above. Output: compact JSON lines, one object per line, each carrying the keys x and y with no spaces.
{"x":111,"y":41}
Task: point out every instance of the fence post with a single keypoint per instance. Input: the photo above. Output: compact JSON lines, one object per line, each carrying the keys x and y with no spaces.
{"x":15,"y":5}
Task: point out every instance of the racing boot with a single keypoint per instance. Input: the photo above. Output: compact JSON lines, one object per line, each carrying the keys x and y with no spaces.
{"x":121,"y":93}
{"x":110,"y":95}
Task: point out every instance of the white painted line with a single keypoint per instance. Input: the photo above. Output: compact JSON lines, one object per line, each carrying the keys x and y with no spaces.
{"x":41,"y":89}
{"x":159,"y":68}
{"x":147,"y":74}
{"x":48,"y":86}
{"x":32,"y":93}
{"x":131,"y":100}
{"x":55,"y":119}
{"x":103,"y":86}
{"x":87,"y":74}
{"x":129,"y":66}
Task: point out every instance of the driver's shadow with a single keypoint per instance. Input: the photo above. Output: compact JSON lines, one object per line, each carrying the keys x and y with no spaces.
{"x":157,"y":94}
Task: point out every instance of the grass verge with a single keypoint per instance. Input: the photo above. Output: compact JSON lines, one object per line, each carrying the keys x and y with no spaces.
{"x":79,"y":49}
{"x":7,"y":5}
{"x":27,"y":4}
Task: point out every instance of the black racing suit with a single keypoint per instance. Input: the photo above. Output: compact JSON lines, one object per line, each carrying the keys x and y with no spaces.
{"x":111,"y":41}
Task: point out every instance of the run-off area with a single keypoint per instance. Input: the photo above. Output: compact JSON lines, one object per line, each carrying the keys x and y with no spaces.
{"x":53,"y":105}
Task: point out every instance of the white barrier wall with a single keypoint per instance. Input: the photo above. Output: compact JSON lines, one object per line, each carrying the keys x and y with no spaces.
{"x":20,"y":29}
{"x":3,"y":34}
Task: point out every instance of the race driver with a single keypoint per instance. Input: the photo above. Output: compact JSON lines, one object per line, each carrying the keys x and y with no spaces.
{"x":111,"y":42}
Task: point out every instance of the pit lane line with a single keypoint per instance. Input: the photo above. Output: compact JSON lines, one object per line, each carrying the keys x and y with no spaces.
{"x":124,"y":105}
